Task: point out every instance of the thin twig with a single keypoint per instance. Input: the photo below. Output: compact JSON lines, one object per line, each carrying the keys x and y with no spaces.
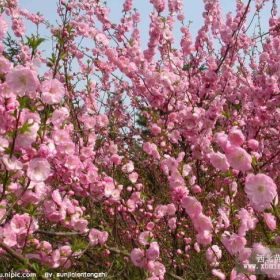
{"x":67,"y":233}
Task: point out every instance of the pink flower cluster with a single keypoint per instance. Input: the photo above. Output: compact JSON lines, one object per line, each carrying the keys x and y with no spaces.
{"x":145,"y":160}
{"x":148,"y":258}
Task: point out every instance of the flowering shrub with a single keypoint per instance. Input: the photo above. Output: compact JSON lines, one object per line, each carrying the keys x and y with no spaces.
{"x":157,"y":162}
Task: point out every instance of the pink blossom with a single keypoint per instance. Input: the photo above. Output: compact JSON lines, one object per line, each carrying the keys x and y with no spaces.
{"x":97,"y":237}
{"x":102,"y":120}
{"x":110,"y":131}
{"x":110,"y":190}
{"x":238,"y":158}
{"x":60,"y":115}
{"x":52,"y":91}
{"x":101,"y":38}
{"x":128,"y":167}
{"x":219,"y":274}
{"x":213,"y":255}
{"x":22,"y":81}
{"x":240,"y":276}
{"x":12,"y":163}
{"x":56,"y":196}
{"x":155,"y":129}
{"x":161,"y":211}
{"x":65,"y":252}
{"x":151,"y":149}
{"x":26,"y":139}
{"x":234,"y":243}
{"x":8,"y":235}
{"x":222,"y":139}
{"x":116,"y":159}
{"x":202,"y":223}
{"x":138,"y":257}
{"x":133,"y":177}
{"x":5,"y":65}
{"x":38,"y":170}
{"x":260,"y":249}
{"x":153,"y":251}
{"x":35,"y":193}
{"x":247,"y":221}
{"x":261,"y":191}
{"x":253,"y":144}
{"x":145,"y":237}
{"x":3,"y":27}
{"x":53,"y":212}
{"x":204,"y":237}
{"x":244,"y":254}
{"x":270,"y":221}
{"x":133,"y":201}
{"x":103,"y":236}
{"x":219,"y":161}
{"x":170,"y":209}
{"x":236,"y":137}
{"x":178,"y":193}
{"x":4,"y":144}
{"x":196,"y":189}
{"x":157,"y":269}
{"x":150,"y":226}
{"x":23,"y":224}
{"x":191,"y":206}
{"x":172,"y":223}
{"x":79,"y":224}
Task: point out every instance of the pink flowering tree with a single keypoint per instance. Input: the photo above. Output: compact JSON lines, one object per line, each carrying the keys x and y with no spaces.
{"x":147,"y":162}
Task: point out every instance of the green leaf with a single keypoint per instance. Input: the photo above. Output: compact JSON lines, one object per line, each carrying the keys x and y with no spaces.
{"x":254,"y":161}
{"x":79,"y":244}
{"x":24,"y":102}
{"x":202,"y":67}
{"x":36,"y":267}
{"x":25,"y":128}
{"x":228,"y":174}
{"x":34,"y":42}
{"x":226,"y":114}
{"x":31,"y":209}
{"x":187,"y":67}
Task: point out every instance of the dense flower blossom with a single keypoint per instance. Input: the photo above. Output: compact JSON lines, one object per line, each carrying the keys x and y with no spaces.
{"x":213,"y":255}
{"x":52,"y":91}
{"x":270,"y":221}
{"x":219,"y":161}
{"x":261,"y":191}
{"x":3,"y":27}
{"x":253,"y":144}
{"x":145,"y":237}
{"x":238,"y":158}
{"x":5,"y":65}
{"x":38,"y":170}
{"x":12,"y":163}
{"x":247,"y":221}
{"x":22,"y":81}
{"x":97,"y":237}
{"x":234,"y":243}
{"x":138,"y":257}
{"x":23,"y":224}
{"x":236,"y":137}
{"x":139,"y":155}
{"x":153,"y":251}
{"x":191,"y":206}
{"x":151,"y":149}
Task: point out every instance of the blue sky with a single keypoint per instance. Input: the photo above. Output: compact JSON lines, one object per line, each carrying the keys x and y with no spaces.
{"x":193,"y":11}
